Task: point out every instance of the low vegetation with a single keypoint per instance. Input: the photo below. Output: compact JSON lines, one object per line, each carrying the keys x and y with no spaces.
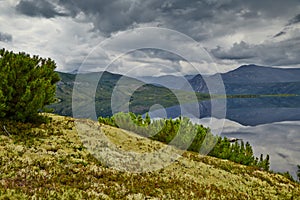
{"x":49,"y":161}
{"x":183,"y":134}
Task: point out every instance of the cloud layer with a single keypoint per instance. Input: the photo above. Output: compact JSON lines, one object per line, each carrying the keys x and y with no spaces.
{"x":5,"y":37}
{"x":234,"y":32}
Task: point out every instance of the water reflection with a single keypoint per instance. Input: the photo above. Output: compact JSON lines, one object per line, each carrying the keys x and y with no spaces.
{"x":246,"y":111}
{"x":270,"y":124}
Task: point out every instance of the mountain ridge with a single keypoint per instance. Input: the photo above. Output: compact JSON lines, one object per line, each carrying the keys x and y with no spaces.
{"x":254,"y":79}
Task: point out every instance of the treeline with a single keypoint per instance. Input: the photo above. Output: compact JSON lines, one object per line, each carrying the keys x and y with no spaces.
{"x":182,"y":133}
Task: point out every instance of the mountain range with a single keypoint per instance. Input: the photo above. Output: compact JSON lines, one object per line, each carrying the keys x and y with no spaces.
{"x":246,"y":79}
{"x":253,"y":79}
{"x":141,"y":96}
{"x":147,"y":91}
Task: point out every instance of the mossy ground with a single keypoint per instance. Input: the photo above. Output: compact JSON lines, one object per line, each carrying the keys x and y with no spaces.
{"x":51,"y":162}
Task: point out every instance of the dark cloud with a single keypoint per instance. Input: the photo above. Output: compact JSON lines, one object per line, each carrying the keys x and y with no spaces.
{"x":38,"y":8}
{"x":279,"y":34}
{"x":112,"y":16}
{"x":282,"y":53}
{"x":238,"y":51}
{"x":212,"y":22}
{"x":5,"y":37}
{"x":294,"y":20}
{"x":200,"y":19}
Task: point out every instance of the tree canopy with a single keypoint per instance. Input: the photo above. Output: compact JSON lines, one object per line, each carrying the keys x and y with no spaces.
{"x":27,"y":85}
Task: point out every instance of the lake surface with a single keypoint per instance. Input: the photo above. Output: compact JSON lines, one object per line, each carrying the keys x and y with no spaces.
{"x":270,"y":124}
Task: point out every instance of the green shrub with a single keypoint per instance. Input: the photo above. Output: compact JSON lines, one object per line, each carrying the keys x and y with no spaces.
{"x":182,"y":133}
{"x":27,"y":85}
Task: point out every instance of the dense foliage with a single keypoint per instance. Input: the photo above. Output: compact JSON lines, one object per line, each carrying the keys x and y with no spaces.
{"x":182,"y":133}
{"x":27,"y":85}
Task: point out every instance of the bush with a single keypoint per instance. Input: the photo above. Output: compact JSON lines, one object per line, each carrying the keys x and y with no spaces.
{"x":27,"y":85}
{"x":181,"y":131}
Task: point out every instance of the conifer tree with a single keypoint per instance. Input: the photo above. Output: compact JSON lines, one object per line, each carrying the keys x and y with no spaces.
{"x":27,"y":85}
{"x":267,"y":162}
{"x":147,"y":119}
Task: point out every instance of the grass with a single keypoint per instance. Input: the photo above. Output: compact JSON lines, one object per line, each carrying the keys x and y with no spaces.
{"x":49,"y":161}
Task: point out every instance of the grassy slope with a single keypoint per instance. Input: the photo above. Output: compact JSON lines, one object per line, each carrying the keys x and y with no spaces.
{"x":49,"y":161}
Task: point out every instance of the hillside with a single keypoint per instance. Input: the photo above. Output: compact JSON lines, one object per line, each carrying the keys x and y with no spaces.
{"x":253,"y":79}
{"x":142,"y":95}
{"x":50,"y":162}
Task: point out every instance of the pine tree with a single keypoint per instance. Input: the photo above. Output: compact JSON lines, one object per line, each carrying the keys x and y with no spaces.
{"x":27,"y":85}
{"x":267,"y":162}
{"x":249,"y":158}
{"x":147,"y":119}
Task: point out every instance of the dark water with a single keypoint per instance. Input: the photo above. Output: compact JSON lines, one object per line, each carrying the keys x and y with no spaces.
{"x":270,"y":124}
{"x":246,"y":111}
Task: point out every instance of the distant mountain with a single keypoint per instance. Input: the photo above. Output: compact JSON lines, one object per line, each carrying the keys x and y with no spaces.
{"x":245,"y":80}
{"x":169,"y":81}
{"x":142,"y":95}
{"x":253,"y":79}
{"x":260,"y":74}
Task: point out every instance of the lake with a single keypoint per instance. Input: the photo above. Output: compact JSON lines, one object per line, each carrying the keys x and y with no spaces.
{"x":270,"y":124}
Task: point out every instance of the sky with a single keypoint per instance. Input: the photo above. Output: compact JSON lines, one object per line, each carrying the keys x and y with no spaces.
{"x":154,"y":37}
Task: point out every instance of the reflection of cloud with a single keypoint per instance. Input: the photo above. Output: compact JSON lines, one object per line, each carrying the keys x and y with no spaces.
{"x":281,"y":140}
{"x":219,"y":125}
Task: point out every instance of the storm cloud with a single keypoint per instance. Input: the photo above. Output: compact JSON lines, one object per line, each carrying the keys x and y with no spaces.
{"x":199,"y":19}
{"x":5,"y":37}
{"x":294,"y":20}
{"x":283,"y":53}
{"x":234,"y":32}
{"x":38,"y":8}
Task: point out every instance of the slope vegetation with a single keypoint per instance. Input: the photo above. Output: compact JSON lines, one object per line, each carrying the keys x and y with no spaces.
{"x":49,"y":161}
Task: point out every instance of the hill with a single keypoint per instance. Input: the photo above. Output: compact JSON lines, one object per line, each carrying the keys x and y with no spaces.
{"x":169,"y":81}
{"x":142,"y":95}
{"x":261,"y":74}
{"x":253,"y":79}
{"x":49,"y":161}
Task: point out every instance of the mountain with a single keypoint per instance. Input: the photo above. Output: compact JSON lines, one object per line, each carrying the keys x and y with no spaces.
{"x":138,"y":96}
{"x":259,"y":74}
{"x":253,"y":79}
{"x":169,"y":81}
{"x":57,"y":161}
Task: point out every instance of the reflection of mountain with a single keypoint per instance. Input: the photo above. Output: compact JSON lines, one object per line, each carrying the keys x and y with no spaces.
{"x":246,"y":111}
{"x":252,"y":79}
